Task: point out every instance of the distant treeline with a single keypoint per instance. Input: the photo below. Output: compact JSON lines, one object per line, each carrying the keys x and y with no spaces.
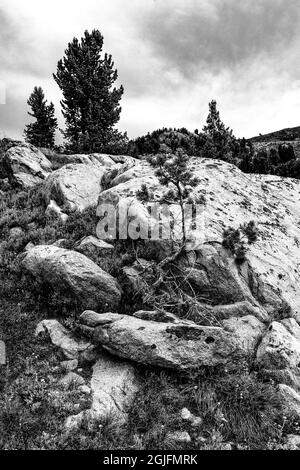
{"x":280,"y":160}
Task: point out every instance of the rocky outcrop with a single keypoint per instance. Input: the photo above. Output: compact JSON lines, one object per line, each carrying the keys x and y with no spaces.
{"x":233,"y":198}
{"x":24,"y":166}
{"x":178,"y":346}
{"x":76,"y":274}
{"x":77,"y":186}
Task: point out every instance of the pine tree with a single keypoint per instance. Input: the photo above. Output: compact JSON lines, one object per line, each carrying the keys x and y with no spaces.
{"x":90,"y":102}
{"x":173,"y":171}
{"x":41,"y":133}
{"x":220,"y":141}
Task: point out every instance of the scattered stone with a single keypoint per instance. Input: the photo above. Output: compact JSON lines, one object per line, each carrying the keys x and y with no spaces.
{"x":186,"y":415}
{"x":178,"y":437}
{"x":74,"y":272}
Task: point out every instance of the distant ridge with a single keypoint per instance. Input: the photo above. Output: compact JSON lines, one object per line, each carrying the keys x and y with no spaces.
{"x":288,"y":134}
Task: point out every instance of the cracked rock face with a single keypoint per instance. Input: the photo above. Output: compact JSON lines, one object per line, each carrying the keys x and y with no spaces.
{"x":73,"y":271}
{"x":178,"y":346}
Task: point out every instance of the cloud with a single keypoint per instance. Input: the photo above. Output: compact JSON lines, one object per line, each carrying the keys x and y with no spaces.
{"x":172,"y":56}
{"x":220,"y":35}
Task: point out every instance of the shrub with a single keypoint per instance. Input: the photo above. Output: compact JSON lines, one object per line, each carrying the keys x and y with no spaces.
{"x":238,"y":240}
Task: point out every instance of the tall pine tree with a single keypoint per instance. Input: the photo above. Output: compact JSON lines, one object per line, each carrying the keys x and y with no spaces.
{"x":41,"y":133}
{"x":219,"y":140}
{"x":90,"y":102}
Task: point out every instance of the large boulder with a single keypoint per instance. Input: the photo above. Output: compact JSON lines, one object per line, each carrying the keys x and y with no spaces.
{"x":178,"y":346}
{"x":25,"y":166}
{"x":74,"y":272}
{"x":77,"y":186}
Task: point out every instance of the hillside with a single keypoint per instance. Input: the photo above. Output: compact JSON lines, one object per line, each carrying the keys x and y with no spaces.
{"x":128,"y":343}
{"x":284,"y":135}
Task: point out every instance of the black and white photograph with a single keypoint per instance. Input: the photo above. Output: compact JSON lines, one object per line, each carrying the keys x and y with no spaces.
{"x":149,"y":229}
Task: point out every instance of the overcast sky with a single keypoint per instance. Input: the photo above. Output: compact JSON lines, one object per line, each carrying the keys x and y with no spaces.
{"x":173,"y":57}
